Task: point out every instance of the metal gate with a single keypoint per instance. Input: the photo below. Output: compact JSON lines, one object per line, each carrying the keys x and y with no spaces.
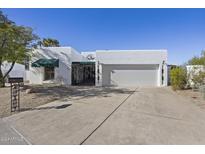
{"x":83,"y":73}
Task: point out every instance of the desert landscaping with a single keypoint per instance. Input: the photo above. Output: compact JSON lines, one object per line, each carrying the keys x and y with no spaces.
{"x":29,"y":99}
{"x":32,"y":96}
{"x":195,"y":96}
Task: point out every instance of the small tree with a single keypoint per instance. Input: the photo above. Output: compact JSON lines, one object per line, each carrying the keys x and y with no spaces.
{"x":178,"y":78}
{"x":198,"y":60}
{"x":196,"y":75}
{"x":15,"y":44}
{"x":49,"y":42}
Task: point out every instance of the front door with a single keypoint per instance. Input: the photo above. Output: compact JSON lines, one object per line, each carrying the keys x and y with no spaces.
{"x":83,"y":73}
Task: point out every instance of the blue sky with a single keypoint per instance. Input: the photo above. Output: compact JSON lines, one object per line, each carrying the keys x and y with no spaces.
{"x":180,"y":31}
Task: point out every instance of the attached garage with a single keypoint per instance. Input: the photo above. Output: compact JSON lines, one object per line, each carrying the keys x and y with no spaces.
{"x":130,"y":75}
{"x":131,"y":68}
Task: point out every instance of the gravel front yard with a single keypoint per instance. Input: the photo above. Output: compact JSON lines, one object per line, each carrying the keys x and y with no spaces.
{"x":195,"y":96}
{"x":41,"y":95}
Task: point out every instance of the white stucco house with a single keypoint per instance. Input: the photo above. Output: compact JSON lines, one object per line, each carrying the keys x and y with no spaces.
{"x":100,"y":68}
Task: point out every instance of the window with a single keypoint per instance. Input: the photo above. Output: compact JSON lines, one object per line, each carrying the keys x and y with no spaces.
{"x":49,"y":73}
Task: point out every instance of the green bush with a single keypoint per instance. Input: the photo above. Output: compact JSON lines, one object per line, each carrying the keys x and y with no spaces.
{"x":199,"y":79}
{"x":178,"y":78}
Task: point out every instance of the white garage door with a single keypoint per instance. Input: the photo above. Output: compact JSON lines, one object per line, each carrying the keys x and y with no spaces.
{"x":130,"y":75}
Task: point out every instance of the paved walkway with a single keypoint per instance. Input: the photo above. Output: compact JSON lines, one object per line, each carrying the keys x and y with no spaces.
{"x":144,"y":116}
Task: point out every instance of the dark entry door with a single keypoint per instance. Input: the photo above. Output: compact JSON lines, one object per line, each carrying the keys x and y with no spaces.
{"x":83,"y":73}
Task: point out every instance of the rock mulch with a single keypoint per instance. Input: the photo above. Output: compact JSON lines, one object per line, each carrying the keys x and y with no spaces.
{"x":31,"y":96}
{"x":195,"y":96}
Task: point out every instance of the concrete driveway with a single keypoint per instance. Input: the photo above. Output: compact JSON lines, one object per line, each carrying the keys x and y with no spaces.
{"x":114,"y":116}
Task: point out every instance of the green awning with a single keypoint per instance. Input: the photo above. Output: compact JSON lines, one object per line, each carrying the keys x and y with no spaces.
{"x":46,"y":63}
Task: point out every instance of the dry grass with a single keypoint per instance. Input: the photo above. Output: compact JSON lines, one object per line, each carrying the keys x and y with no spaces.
{"x":195,"y":96}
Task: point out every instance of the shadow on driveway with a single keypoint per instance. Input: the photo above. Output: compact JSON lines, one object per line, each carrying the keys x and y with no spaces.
{"x":72,"y":93}
{"x":78,"y":92}
{"x":46,"y":108}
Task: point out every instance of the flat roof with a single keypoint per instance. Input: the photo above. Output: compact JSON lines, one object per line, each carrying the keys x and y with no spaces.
{"x":157,"y":50}
{"x":137,"y":50}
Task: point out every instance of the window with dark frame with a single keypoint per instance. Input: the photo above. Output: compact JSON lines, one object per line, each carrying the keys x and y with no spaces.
{"x":49,"y":73}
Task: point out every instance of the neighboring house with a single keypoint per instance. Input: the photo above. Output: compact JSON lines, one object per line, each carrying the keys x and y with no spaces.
{"x":193,"y":70}
{"x":101,"y":68}
{"x":17,"y":71}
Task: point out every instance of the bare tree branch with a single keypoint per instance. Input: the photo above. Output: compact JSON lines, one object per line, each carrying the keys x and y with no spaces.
{"x":12,"y":65}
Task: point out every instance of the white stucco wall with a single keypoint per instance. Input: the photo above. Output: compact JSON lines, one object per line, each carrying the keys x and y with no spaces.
{"x":130,"y":57}
{"x":89,"y":55}
{"x":62,"y":73}
{"x":35,"y":75}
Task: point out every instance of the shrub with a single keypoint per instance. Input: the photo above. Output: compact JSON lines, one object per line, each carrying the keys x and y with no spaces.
{"x":178,"y":78}
{"x":199,"y":79}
